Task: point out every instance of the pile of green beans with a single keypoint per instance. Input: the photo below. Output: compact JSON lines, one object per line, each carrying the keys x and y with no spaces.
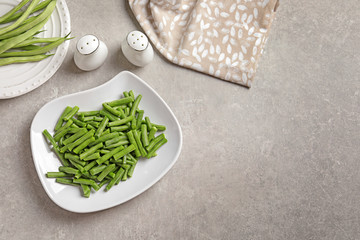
{"x":102,"y":147}
{"x":18,"y":41}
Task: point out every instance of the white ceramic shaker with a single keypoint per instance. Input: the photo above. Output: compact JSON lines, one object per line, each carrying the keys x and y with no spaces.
{"x":137,"y":49}
{"x":90,"y":53}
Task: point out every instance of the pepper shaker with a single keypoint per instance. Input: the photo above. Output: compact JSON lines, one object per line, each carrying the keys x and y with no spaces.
{"x":90,"y":53}
{"x":137,"y":49}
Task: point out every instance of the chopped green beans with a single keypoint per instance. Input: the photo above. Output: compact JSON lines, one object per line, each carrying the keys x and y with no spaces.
{"x":108,"y":152}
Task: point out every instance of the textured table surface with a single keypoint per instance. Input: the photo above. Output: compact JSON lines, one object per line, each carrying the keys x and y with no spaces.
{"x":278,"y":161}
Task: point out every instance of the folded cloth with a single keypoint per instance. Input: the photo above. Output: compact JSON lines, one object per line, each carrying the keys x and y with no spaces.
{"x":221,"y":38}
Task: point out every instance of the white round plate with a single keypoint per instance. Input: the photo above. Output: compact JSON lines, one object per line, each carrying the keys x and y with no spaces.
{"x":147,"y":171}
{"x":18,"y":79}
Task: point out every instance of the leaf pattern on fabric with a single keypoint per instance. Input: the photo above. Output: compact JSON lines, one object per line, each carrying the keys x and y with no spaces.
{"x":221,"y":38}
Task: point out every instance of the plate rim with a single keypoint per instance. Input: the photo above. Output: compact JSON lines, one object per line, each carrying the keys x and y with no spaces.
{"x":150,"y":184}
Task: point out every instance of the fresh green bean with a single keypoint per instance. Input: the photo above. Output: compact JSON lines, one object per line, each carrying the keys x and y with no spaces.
{"x":139,"y":118}
{"x":156,"y":147}
{"x":107,"y":131}
{"x":155,"y":141}
{"x":120,"y":122}
{"x":104,"y":138}
{"x":98,"y":169}
{"x":111,"y":110}
{"x":148,"y":123}
{"x":127,"y":111}
{"x":66,"y":181}
{"x":66,"y":125}
{"x":132,"y":140}
{"x":60,"y":155}
{"x":103,"y":182}
{"x":7,"y":15}
{"x":11,"y":60}
{"x":30,"y":23}
{"x":135,"y":105}
{"x":84,"y":145}
{"x":131,"y":170}
{"x":60,"y":121}
{"x":106,"y":171}
{"x":68,"y":170}
{"x":119,"y":128}
{"x":78,"y":122}
{"x":82,"y":139}
{"x":72,"y":113}
{"x":144,"y":135}
{"x":126,"y":167}
{"x":92,"y":157}
{"x":91,"y":150}
{"x":75,"y":136}
{"x":152,"y":132}
{"x":102,"y":127}
{"x":50,"y":138}
{"x":117,"y":177}
{"x":94,"y":124}
{"x":89,"y":113}
{"x":159,"y":127}
{"x":115,"y":140}
{"x":109,"y":155}
{"x":109,"y":115}
{"x":21,"y":19}
{"x":139,"y":144}
{"x":85,"y":190}
{"x":57,"y":174}
{"x":120,"y":143}
{"x":121,"y":101}
{"x":85,"y":181}
{"x":123,"y":152}
{"x":90,"y":165}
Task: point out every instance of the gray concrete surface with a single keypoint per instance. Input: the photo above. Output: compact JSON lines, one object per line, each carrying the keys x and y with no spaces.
{"x":278,"y":161}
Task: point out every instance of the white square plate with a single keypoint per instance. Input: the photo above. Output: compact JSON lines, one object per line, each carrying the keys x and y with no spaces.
{"x":147,"y":171}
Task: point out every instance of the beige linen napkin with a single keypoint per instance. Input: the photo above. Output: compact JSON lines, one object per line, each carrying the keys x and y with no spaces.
{"x":221,"y":38}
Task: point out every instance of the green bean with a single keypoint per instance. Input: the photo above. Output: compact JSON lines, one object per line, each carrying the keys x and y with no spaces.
{"x":90,"y":127}
{"x":79,"y":167}
{"x":98,"y":169}
{"x":148,"y":123}
{"x":159,"y":127}
{"x":152,"y":132}
{"x":121,"y":101}
{"x":131,"y":170}
{"x":91,"y":151}
{"x":109,"y":115}
{"x":89,"y":113}
{"x":155,"y":141}
{"x":68,"y":170}
{"x":123,"y":152}
{"x":38,"y":7}
{"x":102,"y":126}
{"x":66,"y":181}
{"x":62,"y":133}
{"x":92,"y":118}
{"x":92,"y":157}
{"x":117,"y":177}
{"x":29,"y":47}
{"x":85,"y":190}
{"x":90,"y":182}
{"x":90,"y":165}
{"x":94,"y":124}
{"x":104,"y":138}
{"x":127,"y":111}
{"x":156,"y":147}
{"x":138,"y":142}
{"x":67,"y":124}
{"x":82,"y":139}
{"x":103,"y":182}
{"x":119,"y":128}
{"x":57,"y":174}
{"x":111,"y":110}
{"x":126,"y":167}
{"x":72,"y":113}
{"x":21,"y":19}
{"x":144,"y":135}
{"x":29,"y":23}
{"x":132,"y":140}
{"x":109,"y":155}
{"x":74,"y":158}
{"x":120,"y":122}
{"x":84,"y":145}
{"x":107,"y":131}
{"x":78,"y":122}
{"x":11,"y":60}
{"x":106,"y":171}
{"x":7,"y":15}
{"x":104,"y":151}
{"x":135,"y":105}
{"x":50,"y":138}
{"x":133,"y":123}
{"x":75,"y":136}
{"x":115,"y":140}
{"x":139,"y":118}
{"x":120,"y":143}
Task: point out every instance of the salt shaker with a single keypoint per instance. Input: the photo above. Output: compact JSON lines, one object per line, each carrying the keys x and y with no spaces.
{"x":90,"y":53}
{"x":137,"y":49}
